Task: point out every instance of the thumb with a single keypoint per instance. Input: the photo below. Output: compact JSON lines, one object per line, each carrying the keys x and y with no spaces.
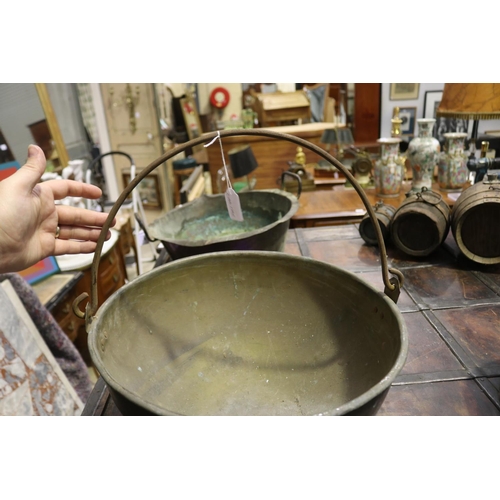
{"x":33,"y":169}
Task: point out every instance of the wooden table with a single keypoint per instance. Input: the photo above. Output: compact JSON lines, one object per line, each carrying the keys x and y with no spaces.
{"x":450,"y":306}
{"x":341,"y":205}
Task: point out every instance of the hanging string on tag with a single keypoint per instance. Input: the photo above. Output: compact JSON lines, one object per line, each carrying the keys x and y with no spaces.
{"x":232,"y":198}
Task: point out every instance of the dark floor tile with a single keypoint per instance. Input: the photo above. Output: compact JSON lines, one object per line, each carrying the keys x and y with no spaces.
{"x":291,"y":236}
{"x":464,"y":262}
{"x":427,"y":352}
{"x":341,"y":232}
{"x":496,"y":382}
{"x":442,"y":286}
{"x":440,"y":256}
{"x":491,"y":386}
{"x":292,"y":248}
{"x":477,"y":331}
{"x":353,"y":254}
{"x":453,"y":398}
{"x":374,"y":278}
{"x":493,"y":271}
{"x":490,"y":275}
{"x":292,"y":245}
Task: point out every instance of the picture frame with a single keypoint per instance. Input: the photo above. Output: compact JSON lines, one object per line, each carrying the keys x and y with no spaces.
{"x":432,"y":98}
{"x":191,"y":120}
{"x":8,"y":168}
{"x":149,"y":190}
{"x":404,"y":91}
{"x":41,"y":270}
{"x":408,"y":117}
{"x":443,"y":125}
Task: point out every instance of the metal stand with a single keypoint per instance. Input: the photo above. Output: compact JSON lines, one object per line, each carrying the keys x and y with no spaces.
{"x":139,"y":209}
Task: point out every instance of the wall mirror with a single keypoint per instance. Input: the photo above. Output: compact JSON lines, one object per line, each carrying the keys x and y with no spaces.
{"x":357,"y":104}
{"x":27,"y":117}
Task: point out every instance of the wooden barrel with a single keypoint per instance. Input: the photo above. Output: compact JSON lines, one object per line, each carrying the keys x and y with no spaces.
{"x":421,"y":223}
{"x":384,"y":214}
{"x":475,"y":221}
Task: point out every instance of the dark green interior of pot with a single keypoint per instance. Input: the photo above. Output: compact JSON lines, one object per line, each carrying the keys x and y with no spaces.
{"x":206,"y":219}
{"x":246,"y":333}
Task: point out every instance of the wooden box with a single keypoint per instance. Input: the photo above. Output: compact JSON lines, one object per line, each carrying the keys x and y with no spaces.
{"x":276,"y":107}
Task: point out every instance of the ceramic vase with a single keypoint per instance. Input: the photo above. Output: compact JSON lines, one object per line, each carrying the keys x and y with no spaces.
{"x":452,"y":166}
{"x":388,"y":169}
{"x":423,"y":155}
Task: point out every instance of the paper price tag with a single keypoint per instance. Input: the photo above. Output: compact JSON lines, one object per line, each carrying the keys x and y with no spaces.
{"x":233,"y":204}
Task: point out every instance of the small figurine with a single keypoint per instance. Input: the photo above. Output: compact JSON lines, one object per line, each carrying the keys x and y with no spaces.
{"x":300,"y":157}
{"x":396,"y":123}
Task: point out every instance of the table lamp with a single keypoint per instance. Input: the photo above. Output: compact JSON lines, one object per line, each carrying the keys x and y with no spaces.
{"x":340,"y":137}
{"x":470,"y":101}
{"x":243,"y":163}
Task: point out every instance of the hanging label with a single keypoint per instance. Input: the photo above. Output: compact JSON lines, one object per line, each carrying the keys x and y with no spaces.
{"x":233,"y":204}
{"x":232,"y":198}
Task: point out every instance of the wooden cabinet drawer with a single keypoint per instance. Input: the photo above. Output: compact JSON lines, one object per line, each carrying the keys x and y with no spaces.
{"x":71,"y":326}
{"x":64,"y":309}
{"x":110,"y":281}
{"x":108,"y":261}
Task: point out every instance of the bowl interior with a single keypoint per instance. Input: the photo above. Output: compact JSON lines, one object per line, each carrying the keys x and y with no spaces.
{"x":206,"y":220}
{"x":248,"y":333}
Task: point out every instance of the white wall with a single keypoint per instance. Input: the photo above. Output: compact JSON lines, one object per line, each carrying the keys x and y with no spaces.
{"x":387,"y":108}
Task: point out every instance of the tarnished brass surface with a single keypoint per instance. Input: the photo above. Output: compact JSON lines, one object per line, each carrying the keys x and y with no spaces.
{"x":249,"y":333}
{"x":274,"y":207}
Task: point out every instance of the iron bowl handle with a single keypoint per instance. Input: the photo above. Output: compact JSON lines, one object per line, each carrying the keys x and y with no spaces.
{"x":297,"y":177}
{"x":143,"y":227}
{"x":392,"y":286}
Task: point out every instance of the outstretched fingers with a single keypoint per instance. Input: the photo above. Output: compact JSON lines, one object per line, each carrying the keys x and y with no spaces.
{"x":74,"y":216}
{"x":63,"y":247}
{"x":80,"y":233}
{"x":62,"y":188}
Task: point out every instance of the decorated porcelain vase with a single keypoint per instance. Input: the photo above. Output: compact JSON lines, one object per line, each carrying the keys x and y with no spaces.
{"x":423,"y":155}
{"x":452,"y":166}
{"x":388,"y":169}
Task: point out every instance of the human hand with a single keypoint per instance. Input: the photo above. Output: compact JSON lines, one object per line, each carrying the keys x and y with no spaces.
{"x":29,"y":218}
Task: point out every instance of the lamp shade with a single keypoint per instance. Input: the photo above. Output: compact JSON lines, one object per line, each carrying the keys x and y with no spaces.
{"x":470,"y":101}
{"x":337,"y":136}
{"x":242,"y":161}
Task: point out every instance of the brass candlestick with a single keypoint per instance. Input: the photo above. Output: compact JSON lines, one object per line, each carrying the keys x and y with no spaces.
{"x":396,"y":123}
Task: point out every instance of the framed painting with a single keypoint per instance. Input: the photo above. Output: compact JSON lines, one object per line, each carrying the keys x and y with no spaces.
{"x":432,"y":99}
{"x":408,"y":117}
{"x":404,"y":91}
{"x":443,"y":125}
{"x":149,"y":190}
{"x":41,"y":270}
{"x":7,"y":169}
{"x":191,"y":120}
